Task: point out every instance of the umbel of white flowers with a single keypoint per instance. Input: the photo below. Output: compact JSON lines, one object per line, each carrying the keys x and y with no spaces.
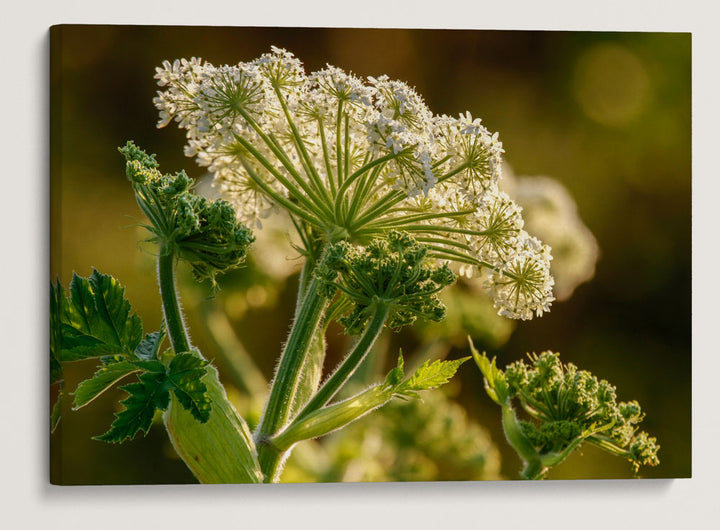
{"x":350,"y":160}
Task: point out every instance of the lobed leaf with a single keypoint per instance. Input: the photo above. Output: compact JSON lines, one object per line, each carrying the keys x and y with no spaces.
{"x":150,"y":394}
{"x":103,"y":379}
{"x":97,"y":320}
{"x":395,"y":376}
{"x":184,"y":374}
{"x":496,"y":385}
{"x":430,"y":375}
{"x":150,"y":346}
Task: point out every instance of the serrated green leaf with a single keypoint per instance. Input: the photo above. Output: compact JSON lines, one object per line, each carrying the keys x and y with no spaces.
{"x":103,"y":379}
{"x":150,"y":345}
{"x":145,"y":397}
{"x":57,"y":304}
{"x":396,"y":375}
{"x":488,"y":369}
{"x":184,"y":374}
{"x":98,"y":320}
{"x":149,"y":366}
{"x":495,"y":384}
{"x":431,"y":375}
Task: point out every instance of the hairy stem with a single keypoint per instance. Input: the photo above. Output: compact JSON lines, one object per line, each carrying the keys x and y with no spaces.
{"x":349,"y":365}
{"x":305,"y":276}
{"x":170,"y":303}
{"x":288,"y":375}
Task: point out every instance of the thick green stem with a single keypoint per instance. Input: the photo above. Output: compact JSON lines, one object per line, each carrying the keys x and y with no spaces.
{"x":288,"y":375}
{"x":271,"y":454}
{"x":170,"y":303}
{"x":305,"y":276}
{"x":349,"y":365}
{"x":315,"y":357}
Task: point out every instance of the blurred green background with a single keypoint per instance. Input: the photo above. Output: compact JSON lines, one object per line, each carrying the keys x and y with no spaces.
{"x":606,"y":114}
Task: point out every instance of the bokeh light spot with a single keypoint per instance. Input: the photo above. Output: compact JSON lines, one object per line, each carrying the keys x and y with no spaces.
{"x":611,"y":85}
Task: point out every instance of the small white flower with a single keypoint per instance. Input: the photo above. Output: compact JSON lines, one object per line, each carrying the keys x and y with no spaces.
{"x":523,"y":286}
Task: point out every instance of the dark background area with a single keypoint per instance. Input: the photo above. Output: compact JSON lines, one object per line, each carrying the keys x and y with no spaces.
{"x":606,"y":114}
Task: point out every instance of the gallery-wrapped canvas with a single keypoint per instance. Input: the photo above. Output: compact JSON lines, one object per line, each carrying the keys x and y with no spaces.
{"x":368,"y":255}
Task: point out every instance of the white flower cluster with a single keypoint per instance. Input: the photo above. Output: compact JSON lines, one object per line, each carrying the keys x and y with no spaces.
{"x":355,"y":159}
{"x":550,"y":212}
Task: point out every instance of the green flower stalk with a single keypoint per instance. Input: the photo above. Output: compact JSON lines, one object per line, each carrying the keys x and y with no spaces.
{"x":566,"y":407}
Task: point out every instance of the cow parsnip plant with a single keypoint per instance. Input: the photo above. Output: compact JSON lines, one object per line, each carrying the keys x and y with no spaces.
{"x":390,"y":203}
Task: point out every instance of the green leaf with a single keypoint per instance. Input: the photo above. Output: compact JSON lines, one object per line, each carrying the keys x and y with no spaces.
{"x":184,"y":374}
{"x":150,"y":394}
{"x":103,"y":379}
{"x":150,"y":346}
{"x":149,"y":366}
{"x":430,"y":375}
{"x":97,"y":319}
{"x":396,"y":375}
{"x":495,"y":384}
{"x":57,"y":305}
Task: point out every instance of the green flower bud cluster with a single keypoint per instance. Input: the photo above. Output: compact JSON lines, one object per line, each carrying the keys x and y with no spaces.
{"x":203,"y":232}
{"x":393,"y":271}
{"x":566,"y":407}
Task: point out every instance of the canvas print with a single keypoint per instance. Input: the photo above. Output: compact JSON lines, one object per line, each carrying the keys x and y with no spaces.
{"x":368,"y":255}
